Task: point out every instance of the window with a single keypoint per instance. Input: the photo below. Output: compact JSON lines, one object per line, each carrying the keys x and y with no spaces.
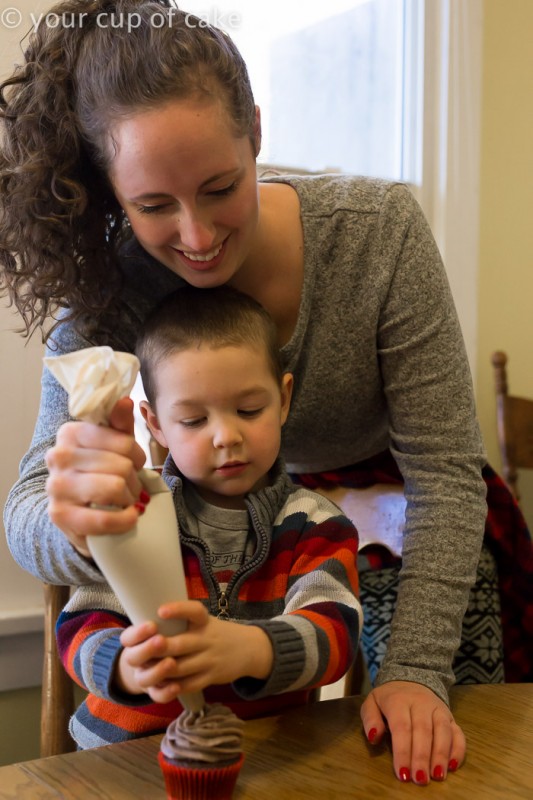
{"x":338,"y":83}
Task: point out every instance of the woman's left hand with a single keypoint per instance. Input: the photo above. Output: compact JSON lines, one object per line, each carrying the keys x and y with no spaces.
{"x":427,"y":743}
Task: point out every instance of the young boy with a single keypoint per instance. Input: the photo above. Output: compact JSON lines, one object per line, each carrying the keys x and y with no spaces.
{"x":270,"y":567}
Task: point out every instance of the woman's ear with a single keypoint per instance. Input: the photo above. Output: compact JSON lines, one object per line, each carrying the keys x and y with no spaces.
{"x":287,"y":383}
{"x":152,"y":422}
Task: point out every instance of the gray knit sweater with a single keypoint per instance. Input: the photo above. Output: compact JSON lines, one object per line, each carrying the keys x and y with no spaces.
{"x":379,"y":361}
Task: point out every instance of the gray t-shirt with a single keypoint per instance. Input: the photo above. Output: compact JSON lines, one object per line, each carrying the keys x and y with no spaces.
{"x":226,"y":532}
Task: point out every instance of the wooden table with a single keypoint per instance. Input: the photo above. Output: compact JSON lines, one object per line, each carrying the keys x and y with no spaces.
{"x":315,"y":752}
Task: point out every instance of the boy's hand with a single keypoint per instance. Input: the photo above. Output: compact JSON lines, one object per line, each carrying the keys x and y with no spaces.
{"x":211,"y":651}
{"x":426,"y":740}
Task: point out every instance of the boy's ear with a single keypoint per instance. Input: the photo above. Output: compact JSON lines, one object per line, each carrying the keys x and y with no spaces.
{"x":257,"y":131}
{"x":153,"y":424}
{"x":287,"y":383}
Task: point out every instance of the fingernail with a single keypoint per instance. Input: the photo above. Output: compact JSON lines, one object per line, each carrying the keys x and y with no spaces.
{"x":438,"y":773}
{"x":140,"y":507}
{"x":405,"y":775}
{"x":144,"y":497}
{"x":420,"y":776}
{"x":372,"y":733}
{"x":452,"y":766}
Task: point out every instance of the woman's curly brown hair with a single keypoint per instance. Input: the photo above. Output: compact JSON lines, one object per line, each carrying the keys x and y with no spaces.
{"x":61,"y":226}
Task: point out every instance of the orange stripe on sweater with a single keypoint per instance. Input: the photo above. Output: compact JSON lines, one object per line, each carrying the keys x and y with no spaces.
{"x":134,"y":720}
{"x":332,"y":630}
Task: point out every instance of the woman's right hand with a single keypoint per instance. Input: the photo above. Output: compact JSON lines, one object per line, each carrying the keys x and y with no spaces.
{"x":90,"y":466}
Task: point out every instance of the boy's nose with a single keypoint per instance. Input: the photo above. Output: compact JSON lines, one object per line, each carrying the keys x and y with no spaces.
{"x":226,"y":436}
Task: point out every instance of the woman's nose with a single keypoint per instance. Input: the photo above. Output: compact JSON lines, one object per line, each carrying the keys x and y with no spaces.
{"x":197,"y":233}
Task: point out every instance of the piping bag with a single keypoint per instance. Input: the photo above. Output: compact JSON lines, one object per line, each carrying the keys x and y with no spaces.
{"x":144,"y":566}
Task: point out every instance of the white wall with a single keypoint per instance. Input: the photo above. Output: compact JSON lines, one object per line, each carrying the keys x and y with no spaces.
{"x":20,"y":362}
{"x":20,"y":593}
{"x":506,"y":204}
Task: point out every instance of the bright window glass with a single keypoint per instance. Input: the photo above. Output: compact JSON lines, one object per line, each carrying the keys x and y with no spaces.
{"x":338,"y":83}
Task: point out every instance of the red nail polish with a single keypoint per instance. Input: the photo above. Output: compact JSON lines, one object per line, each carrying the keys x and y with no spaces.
{"x":140,"y":507}
{"x":372,"y":733}
{"x":144,"y":497}
{"x":452,"y":766}
{"x":420,"y":776}
{"x":438,"y":773}
{"x":405,"y":775}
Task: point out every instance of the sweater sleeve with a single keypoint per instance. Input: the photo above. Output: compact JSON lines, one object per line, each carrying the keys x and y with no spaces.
{"x":315,"y":639}
{"x":36,"y":544}
{"x":88,"y":640}
{"x":435,"y":439}
{"x":381,"y":364}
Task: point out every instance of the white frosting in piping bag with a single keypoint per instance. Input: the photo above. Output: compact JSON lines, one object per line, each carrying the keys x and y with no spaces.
{"x":143,"y":566}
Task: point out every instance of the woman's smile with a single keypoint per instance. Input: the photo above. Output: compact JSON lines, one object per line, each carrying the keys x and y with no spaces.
{"x":191,"y":196}
{"x":203,"y":261}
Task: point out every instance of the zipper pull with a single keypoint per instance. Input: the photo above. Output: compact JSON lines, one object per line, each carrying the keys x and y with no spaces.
{"x":223,"y":606}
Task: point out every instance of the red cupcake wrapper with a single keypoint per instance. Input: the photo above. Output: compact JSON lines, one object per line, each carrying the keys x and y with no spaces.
{"x":188,"y":783}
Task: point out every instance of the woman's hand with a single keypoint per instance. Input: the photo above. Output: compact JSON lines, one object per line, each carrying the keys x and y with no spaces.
{"x":426,"y":741}
{"x":94,"y":465}
{"x":211,"y":651}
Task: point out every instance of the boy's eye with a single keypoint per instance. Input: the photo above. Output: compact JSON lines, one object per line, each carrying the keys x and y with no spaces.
{"x":192,"y":423}
{"x":250,"y":412}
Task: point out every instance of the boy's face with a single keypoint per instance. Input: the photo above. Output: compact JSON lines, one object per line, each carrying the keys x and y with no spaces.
{"x":219,"y":411}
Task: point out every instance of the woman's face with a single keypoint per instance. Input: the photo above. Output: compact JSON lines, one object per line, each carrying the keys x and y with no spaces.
{"x":188,"y":186}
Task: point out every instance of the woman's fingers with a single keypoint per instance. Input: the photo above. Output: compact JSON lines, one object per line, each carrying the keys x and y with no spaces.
{"x":372,"y":719}
{"x":442,"y":744}
{"x":422,"y":739}
{"x":93,"y":485}
{"x":78,"y":522}
{"x":458,"y":748}
{"x":426,"y":741}
{"x":92,"y":476}
{"x":122,"y":417}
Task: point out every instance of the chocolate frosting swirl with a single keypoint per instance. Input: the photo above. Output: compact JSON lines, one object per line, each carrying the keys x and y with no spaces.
{"x":211,"y":735}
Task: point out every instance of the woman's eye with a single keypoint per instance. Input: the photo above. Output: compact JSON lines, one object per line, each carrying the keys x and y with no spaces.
{"x":225,"y":191}
{"x":152,"y":209}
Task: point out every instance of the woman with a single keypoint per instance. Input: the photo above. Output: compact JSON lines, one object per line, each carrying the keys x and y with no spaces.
{"x":128,"y":168}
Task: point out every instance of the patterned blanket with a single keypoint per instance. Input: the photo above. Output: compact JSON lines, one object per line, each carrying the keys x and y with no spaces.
{"x":506,"y":536}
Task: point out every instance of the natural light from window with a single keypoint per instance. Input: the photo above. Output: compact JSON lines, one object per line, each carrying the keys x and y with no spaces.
{"x":338,"y":83}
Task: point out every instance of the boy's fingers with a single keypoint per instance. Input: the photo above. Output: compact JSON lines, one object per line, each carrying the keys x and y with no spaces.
{"x":191,"y":610}
{"x":136,"y":634}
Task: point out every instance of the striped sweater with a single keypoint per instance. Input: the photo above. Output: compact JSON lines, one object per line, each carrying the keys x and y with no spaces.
{"x":300,"y":587}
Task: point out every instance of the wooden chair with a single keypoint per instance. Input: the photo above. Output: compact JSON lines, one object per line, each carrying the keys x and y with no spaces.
{"x":515,"y":426}
{"x":57,"y":697}
{"x":57,"y":693}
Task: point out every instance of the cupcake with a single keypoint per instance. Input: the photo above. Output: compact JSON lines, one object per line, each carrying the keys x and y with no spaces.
{"x":201,"y":754}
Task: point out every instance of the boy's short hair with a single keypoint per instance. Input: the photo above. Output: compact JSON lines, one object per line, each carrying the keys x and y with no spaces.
{"x":217,"y":317}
